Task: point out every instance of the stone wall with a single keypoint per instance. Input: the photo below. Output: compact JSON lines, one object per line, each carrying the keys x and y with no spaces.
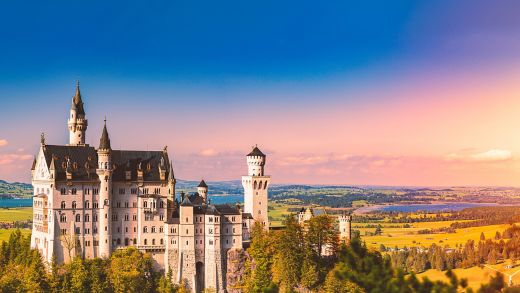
{"x":236,"y":260}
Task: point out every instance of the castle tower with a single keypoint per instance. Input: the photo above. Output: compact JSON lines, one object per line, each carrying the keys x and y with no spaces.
{"x":255,"y":187}
{"x":202,"y":189}
{"x":345,"y":227}
{"x":104,"y":171}
{"x":77,"y":123}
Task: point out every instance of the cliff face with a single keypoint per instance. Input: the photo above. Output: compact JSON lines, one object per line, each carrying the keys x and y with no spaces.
{"x":236,"y":259}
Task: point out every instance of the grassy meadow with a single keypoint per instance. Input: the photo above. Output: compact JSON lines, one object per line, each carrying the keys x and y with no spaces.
{"x":13,"y":215}
{"x":393,"y":236}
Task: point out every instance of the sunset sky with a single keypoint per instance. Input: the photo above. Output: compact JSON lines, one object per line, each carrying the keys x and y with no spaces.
{"x":334,"y":92}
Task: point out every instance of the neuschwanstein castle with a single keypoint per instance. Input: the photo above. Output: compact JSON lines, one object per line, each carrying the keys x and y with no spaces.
{"x":89,"y":202}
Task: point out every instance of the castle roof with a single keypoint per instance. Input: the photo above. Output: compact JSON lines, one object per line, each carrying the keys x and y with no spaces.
{"x":77,"y":102}
{"x":256,"y":152}
{"x":186,"y":201}
{"x":202,"y":184}
{"x":196,"y":199}
{"x":84,"y":161}
{"x":104,"y":141}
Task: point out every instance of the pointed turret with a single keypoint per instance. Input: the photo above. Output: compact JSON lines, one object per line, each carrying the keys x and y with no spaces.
{"x":77,"y":122}
{"x":77,"y":102}
{"x":202,"y":184}
{"x":171,"y":174}
{"x":104,"y":142}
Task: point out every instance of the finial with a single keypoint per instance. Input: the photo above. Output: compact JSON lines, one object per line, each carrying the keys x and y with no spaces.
{"x":77,"y":83}
{"x":105,"y":120}
{"x":42,"y":138}
{"x":165,"y":149}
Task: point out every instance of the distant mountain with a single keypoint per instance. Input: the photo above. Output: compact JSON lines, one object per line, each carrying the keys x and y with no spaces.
{"x":15,"y":189}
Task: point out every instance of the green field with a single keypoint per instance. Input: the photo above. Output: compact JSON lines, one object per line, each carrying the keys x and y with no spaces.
{"x":476,"y":275}
{"x":15,"y":214}
{"x":400,"y":237}
{"x":4,"y":233}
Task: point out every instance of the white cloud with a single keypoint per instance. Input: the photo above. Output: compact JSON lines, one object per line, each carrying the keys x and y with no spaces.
{"x":494,"y":155}
{"x":208,"y":153}
{"x":7,"y":159}
{"x":3,"y":142}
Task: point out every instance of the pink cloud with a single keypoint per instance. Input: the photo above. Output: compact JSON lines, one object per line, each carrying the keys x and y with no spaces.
{"x":8,"y":159}
{"x":3,"y":142}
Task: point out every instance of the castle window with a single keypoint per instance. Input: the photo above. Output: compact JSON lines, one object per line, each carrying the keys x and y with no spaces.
{"x":146,"y":242}
{"x":63,"y":218}
{"x":186,"y":231}
{"x":233,"y":230}
{"x":94,"y":230}
{"x":94,"y":218}
{"x":133,"y":191}
{"x":145,"y":229}
{"x":87,"y":218}
{"x":78,"y":218}
{"x":211,"y":242}
{"x":145,"y":204}
{"x":78,"y":231}
{"x":210,"y":219}
{"x":259,"y":212}
{"x":114,"y":217}
{"x":95,"y":205}
{"x":135,"y":229}
{"x":210,"y":231}
{"x":161,"y":217}
{"x":74,"y":204}
{"x":87,"y":231}
{"x":63,"y":231}
{"x":87,"y":204}
{"x":118,"y":204}
{"x":63,"y":191}
{"x":233,"y":219}
{"x":86,"y":191}
{"x":62,"y":204}
{"x":233,"y":241}
{"x":74,"y":191}
{"x":126,"y":241}
{"x":161,"y":204}
{"x":126,"y":229}
{"x":106,"y":202}
{"x":153,"y":229}
{"x":134,"y":204}
{"x":134,"y":217}
{"x":95,"y":191}
{"x":127,"y":217}
{"x":153,"y":241}
{"x":260,"y":185}
{"x":161,"y":229}
{"x":126,"y":204}
{"x":96,"y":242}
{"x":186,"y":219}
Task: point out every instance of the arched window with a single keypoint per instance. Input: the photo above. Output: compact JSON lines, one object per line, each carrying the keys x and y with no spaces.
{"x":260,"y":185}
{"x":153,"y":241}
{"x":145,"y":242}
{"x":63,"y":218}
{"x":87,"y":204}
{"x":145,"y":204}
{"x":106,"y":202}
{"x":161,"y":204}
{"x":153,"y":229}
{"x":78,"y":218}
{"x":265,"y":184}
{"x":254,"y":185}
{"x":63,"y":205}
{"x":145,"y":229}
{"x":74,"y":204}
{"x":162,"y":241}
{"x":87,"y":218}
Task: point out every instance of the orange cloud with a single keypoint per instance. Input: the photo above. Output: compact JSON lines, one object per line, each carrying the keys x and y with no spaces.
{"x":3,"y":142}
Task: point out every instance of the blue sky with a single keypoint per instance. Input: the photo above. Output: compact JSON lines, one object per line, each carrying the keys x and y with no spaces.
{"x":200,"y":67}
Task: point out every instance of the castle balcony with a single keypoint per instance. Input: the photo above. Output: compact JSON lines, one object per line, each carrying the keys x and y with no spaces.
{"x":151,"y":248}
{"x":149,"y":210}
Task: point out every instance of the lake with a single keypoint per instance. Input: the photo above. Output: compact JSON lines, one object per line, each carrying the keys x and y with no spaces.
{"x":15,"y":203}
{"x":437,"y":207}
{"x":27,"y":202}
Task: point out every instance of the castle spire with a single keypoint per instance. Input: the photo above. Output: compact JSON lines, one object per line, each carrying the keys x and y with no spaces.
{"x":77,"y":102}
{"x":104,"y":142}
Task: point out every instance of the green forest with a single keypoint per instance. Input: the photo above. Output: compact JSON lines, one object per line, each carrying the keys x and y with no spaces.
{"x":295,"y":259}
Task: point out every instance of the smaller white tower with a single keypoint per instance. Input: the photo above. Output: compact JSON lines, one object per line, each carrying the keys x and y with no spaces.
{"x":104,"y":171}
{"x":202,"y":189}
{"x":77,"y":122}
{"x":255,"y":187}
{"x":345,"y":227}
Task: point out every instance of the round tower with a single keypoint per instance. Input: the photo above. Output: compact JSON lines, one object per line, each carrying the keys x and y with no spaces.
{"x":202,"y":189}
{"x":256,"y":185}
{"x":77,"y":123}
{"x":255,"y":162}
{"x":104,"y":171}
{"x":345,"y":227}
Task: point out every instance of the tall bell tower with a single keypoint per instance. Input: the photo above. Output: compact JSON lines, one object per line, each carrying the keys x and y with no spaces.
{"x":255,"y":187}
{"x":104,"y":171}
{"x":77,"y":122}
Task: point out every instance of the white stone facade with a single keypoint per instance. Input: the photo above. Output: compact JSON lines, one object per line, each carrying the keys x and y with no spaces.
{"x":90,"y":202}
